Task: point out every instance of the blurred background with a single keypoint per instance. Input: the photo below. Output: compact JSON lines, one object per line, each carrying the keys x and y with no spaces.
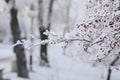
{"x":27,"y":20}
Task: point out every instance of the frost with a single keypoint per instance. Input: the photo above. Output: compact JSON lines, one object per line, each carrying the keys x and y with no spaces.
{"x":46,"y":33}
{"x":33,"y":36}
{"x":17,"y":43}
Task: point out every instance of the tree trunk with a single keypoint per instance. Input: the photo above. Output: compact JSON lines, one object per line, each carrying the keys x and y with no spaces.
{"x":1,"y":74}
{"x":43,"y":48}
{"x":50,"y":10}
{"x":110,"y":70}
{"x":19,"y":50}
{"x":109,"y":74}
{"x":67,"y":16}
{"x":31,"y":40}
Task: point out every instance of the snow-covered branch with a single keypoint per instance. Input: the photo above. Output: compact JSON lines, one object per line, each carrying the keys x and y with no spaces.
{"x":99,"y":34}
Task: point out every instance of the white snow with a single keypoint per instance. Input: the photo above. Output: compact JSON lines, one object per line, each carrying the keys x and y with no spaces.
{"x":70,"y":66}
{"x":6,"y":51}
{"x":63,"y":67}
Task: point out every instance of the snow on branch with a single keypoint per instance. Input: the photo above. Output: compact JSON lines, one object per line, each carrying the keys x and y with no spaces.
{"x":99,"y":34}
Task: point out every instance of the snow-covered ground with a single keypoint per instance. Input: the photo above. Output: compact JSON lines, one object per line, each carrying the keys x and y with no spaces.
{"x":63,"y":68}
{"x":6,"y":57}
{"x":6,"y":51}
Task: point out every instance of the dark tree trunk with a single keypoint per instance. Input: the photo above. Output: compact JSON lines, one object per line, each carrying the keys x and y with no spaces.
{"x":43,"y":48}
{"x":22,"y":70}
{"x":1,"y":74}
{"x":109,"y":74}
{"x":110,"y":70}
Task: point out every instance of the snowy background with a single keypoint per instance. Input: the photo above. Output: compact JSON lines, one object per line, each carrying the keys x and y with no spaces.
{"x":72,"y":65}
